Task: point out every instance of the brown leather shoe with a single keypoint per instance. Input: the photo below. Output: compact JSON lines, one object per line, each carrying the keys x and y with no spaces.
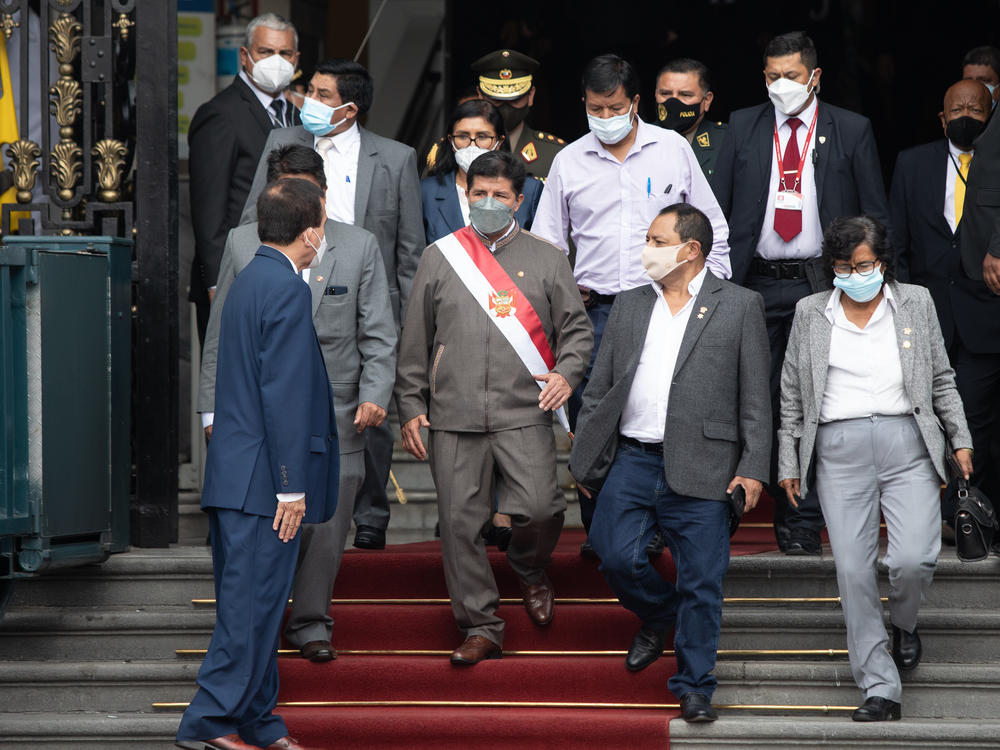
{"x":229,"y":742}
{"x":538,"y":599}
{"x":318,"y":651}
{"x":286,"y":743}
{"x":474,"y":650}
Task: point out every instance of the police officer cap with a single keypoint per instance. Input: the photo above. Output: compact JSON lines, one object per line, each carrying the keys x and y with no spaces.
{"x":505,"y":74}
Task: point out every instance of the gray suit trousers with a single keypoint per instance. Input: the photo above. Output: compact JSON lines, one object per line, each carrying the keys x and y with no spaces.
{"x":863,"y":466}
{"x":319,"y":560}
{"x":463,"y":465}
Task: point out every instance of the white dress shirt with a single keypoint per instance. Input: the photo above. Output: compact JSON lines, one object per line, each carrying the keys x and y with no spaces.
{"x":608,"y":205}
{"x":864,"y":375}
{"x":340,"y":162}
{"x":949,"y":183}
{"x":645,"y":414}
{"x":808,"y":242}
{"x":263,"y":97}
{"x":463,"y":203}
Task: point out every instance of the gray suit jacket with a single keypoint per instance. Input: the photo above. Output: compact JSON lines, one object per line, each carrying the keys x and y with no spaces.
{"x":386,"y":203}
{"x":719,"y":413}
{"x":351,"y":315}
{"x":928,"y":380}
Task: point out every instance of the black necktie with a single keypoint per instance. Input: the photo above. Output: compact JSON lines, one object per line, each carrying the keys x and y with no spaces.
{"x":278,"y":112}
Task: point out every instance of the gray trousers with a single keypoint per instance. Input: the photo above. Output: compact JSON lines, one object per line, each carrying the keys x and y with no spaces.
{"x":863,"y":466}
{"x":319,"y":560}
{"x":463,"y":465}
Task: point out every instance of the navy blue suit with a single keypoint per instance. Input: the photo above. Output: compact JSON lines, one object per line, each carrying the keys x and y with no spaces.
{"x":443,"y":213}
{"x":274,"y":432}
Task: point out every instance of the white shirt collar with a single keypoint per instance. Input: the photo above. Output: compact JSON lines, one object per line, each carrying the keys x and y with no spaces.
{"x":343,"y":142}
{"x":264,"y":98}
{"x":493,"y":246}
{"x":806,"y":115}
{"x":290,"y":261}
{"x":955,"y":151}
{"x":694,"y":286}
{"x":834,"y":302}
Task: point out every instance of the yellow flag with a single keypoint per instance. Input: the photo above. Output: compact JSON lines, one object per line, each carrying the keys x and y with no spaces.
{"x":8,"y":121}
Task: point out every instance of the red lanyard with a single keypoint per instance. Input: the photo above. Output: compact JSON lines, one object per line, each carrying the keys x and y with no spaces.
{"x":802,"y":154}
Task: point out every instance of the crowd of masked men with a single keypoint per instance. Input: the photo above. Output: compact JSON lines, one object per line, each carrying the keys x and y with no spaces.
{"x":711,"y":311}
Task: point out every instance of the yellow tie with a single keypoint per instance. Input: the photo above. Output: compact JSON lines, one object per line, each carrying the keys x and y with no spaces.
{"x":960,"y":178}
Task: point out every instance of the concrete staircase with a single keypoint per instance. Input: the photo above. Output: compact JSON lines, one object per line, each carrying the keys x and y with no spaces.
{"x":85,"y":653}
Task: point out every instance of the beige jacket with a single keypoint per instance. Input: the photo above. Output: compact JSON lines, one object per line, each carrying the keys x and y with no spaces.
{"x":456,"y":367}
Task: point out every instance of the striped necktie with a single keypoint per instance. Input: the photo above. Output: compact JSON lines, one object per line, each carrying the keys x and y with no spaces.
{"x":277,"y":112}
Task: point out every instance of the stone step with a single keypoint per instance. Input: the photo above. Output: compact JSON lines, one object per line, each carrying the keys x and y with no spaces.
{"x":112,"y":686}
{"x":947,"y":691}
{"x":88,"y":731}
{"x":150,"y":577}
{"x":118,"y":633}
{"x":739,"y":731}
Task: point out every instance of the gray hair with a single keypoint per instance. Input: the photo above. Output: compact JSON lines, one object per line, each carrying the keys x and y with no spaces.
{"x":269,"y":21}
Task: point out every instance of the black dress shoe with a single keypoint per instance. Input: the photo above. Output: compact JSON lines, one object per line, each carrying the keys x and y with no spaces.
{"x":369,"y":537}
{"x":655,"y":546}
{"x":318,"y":651}
{"x":696,"y":707}
{"x":647,"y":647}
{"x":587,"y":550}
{"x":906,"y":648}
{"x":781,"y":535}
{"x":801,"y":545}
{"x":877,"y":709}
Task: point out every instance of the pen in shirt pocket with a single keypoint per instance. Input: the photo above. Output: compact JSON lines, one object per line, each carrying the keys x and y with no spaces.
{"x":649,"y":187}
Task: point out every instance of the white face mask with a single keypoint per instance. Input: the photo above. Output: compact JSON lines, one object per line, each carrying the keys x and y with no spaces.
{"x":788,"y":96}
{"x":465,"y":156}
{"x":320,"y":249}
{"x":611,"y":130}
{"x":661,"y":261}
{"x":271,"y":74}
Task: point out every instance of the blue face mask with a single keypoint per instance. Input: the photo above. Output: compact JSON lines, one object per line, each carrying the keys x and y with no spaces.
{"x":316,"y":116}
{"x":861,"y":288}
{"x":611,"y":130}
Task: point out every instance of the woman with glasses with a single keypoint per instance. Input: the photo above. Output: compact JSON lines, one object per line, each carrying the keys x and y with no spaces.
{"x":474,"y":128}
{"x":870,"y":414}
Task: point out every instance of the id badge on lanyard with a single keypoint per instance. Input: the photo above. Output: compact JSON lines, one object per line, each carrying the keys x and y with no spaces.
{"x":790,"y":199}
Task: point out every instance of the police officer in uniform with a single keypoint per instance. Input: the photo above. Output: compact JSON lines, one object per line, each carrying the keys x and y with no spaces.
{"x":506,"y":81}
{"x":683,"y":95}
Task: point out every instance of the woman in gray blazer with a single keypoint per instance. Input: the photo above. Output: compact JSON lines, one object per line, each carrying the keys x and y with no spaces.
{"x":868,"y":409}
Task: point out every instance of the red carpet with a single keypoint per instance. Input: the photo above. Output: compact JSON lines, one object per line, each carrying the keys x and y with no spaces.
{"x":398,"y":578}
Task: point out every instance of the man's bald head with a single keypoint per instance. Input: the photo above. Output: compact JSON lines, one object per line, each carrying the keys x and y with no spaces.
{"x":966,"y":99}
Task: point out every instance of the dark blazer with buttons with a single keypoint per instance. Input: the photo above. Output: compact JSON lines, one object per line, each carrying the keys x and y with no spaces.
{"x":275,"y":429}
{"x":928,"y":252}
{"x":719,"y":413}
{"x":848,"y":174}
{"x":226,"y":138}
{"x":443,"y":212}
{"x":981,"y":215}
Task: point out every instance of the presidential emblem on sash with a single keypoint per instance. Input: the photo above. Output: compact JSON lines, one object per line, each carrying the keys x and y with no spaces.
{"x":502,"y":304}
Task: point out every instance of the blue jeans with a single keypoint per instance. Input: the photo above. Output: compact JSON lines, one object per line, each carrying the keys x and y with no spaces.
{"x":634,"y":501}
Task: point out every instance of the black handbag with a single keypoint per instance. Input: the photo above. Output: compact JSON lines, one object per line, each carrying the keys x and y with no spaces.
{"x":975,"y":524}
{"x":975,"y":521}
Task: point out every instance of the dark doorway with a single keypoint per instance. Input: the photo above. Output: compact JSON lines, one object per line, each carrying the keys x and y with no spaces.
{"x":890,"y":60}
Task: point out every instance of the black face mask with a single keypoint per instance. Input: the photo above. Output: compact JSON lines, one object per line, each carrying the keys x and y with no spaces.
{"x":962,"y":131}
{"x":512,"y":116}
{"x":676,"y":115}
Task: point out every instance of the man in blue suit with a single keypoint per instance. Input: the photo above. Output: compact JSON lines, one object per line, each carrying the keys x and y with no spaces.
{"x":274,"y":445}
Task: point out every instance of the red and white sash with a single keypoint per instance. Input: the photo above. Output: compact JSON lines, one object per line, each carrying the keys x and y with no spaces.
{"x":502,"y":301}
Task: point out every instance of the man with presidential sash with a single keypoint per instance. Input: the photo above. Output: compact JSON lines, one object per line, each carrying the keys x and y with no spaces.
{"x":494,"y":341}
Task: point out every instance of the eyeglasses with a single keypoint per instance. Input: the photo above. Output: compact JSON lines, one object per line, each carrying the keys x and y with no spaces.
{"x":461,"y":140}
{"x":864,"y":268}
